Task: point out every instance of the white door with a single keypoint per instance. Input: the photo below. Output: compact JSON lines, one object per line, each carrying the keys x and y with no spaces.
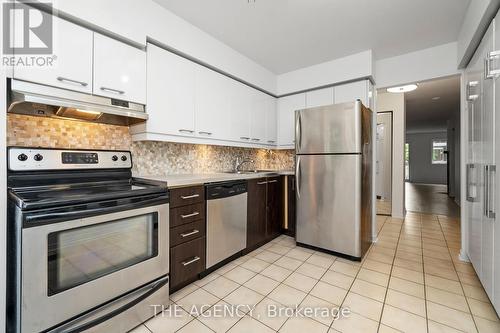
{"x":73,"y":66}
{"x":239,"y":109}
{"x":170,"y":95}
{"x":258,"y":116}
{"x":286,"y":118}
{"x":320,"y":97}
{"x":212,"y":104}
{"x":119,"y":70}
{"x":271,"y":121}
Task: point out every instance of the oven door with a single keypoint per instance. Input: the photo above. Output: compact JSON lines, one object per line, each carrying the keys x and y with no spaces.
{"x":72,"y":267}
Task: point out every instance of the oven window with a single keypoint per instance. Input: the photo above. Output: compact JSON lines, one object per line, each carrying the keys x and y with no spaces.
{"x":80,"y":255}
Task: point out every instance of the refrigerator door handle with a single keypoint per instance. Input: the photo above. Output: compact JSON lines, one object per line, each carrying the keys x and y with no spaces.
{"x":297,"y":175}
{"x":468,"y":184}
{"x":486,"y":205}
{"x":298,"y":130}
{"x":491,"y":191}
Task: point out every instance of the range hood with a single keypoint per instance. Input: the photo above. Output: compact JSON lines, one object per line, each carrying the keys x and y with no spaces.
{"x":41,"y":100}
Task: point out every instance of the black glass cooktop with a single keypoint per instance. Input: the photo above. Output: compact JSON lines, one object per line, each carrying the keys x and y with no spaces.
{"x":64,"y":194}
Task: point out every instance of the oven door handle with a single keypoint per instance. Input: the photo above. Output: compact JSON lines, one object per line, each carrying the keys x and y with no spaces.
{"x":111,"y":309}
{"x":33,"y":219}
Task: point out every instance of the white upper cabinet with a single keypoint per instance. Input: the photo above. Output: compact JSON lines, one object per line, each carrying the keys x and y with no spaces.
{"x":271,"y":121}
{"x":171,"y":93}
{"x":286,"y":117}
{"x":258,"y":116}
{"x":240,"y":109}
{"x":212,"y":104}
{"x":320,"y":97}
{"x":73,"y":66}
{"x":351,"y":91}
{"x":119,"y":70}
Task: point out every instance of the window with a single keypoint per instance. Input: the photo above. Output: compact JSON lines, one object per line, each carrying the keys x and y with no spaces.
{"x":439,"y":149}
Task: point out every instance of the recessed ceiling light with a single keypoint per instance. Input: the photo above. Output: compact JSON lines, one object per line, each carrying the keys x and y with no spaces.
{"x":402,"y":89}
{"x":436,"y":98}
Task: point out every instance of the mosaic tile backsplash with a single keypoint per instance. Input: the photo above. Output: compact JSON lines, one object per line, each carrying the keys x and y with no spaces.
{"x":150,"y":157}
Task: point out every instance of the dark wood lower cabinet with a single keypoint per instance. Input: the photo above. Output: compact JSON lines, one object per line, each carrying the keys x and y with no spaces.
{"x":187,"y":261}
{"x":256,"y":212}
{"x":265,"y":210}
{"x":274,"y":206}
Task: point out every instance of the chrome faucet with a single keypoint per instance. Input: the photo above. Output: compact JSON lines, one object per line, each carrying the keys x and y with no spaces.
{"x":240,"y":161}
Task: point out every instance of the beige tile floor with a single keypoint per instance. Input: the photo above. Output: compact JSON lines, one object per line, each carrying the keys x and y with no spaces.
{"x":410,"y":281}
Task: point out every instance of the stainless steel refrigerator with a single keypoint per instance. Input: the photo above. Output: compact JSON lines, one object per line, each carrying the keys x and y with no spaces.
{"x":333,"y":146}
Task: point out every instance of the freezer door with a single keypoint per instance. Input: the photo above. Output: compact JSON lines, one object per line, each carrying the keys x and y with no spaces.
{"x":328,"y":196}
{"x":334,"y":129}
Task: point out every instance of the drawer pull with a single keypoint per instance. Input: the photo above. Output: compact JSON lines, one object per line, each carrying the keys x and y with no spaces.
{"x":192,"y":261}
{"x":273,"y":181}
{"x":189,"y":215}
{"x":186,"y":131}
{"x":64,"y":79}
{"x":185,"y":197}
{"x":194,"y":232}
{"x":114,"y":91}
{"x":261,"y":183}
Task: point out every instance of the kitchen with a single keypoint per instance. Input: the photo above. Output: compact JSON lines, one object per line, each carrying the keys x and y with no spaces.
{"x":155,"y":167}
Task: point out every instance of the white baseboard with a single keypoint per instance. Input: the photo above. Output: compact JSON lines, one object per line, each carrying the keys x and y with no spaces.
{"x":463,"y":256}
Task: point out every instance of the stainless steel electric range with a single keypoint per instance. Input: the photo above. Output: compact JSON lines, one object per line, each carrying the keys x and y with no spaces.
{"x":87,"y":243}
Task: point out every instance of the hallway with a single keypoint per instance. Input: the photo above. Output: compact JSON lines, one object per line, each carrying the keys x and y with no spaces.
{"x":430,"y":198}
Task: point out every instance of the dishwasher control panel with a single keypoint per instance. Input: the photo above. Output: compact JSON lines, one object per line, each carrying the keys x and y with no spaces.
{"x":225,"y":189}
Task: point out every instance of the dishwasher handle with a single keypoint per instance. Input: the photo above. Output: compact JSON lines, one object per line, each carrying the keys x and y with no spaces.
{"x":225,"y":189}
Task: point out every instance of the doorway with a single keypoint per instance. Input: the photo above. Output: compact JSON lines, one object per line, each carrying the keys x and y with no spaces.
{"x":383,"y":166}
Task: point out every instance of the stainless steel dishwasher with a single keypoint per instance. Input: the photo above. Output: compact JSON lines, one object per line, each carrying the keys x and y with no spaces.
{"x":226,"y":220}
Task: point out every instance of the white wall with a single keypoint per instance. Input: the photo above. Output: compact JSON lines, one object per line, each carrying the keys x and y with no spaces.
{"x":136,"y":20}
{"x":421,"y":168}
{"x":359,"y":65}
{"x":422,"y":65}
{"x":396,"y":104}
{"x":477,"y":18}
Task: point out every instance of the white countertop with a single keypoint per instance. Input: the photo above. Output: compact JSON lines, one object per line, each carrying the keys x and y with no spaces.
{"x":179,"y":180}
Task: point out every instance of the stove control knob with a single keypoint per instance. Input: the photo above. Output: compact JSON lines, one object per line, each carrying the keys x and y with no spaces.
{"x":124,"y":158}
{"x":38,"y":157}
{"x":22,"y":157}
{"x":114,"y":158}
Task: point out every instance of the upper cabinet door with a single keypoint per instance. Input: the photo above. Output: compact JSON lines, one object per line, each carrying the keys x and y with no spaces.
{"x":119,"y":70}
{"x":212,"y":104}
{"x":320,"y":97}
{"x":73,"y":64}
{"x":271,"y":121}
{"x":351,"y":91}
{"x":258,"y":116}
{"x":171,"y":93}
{"x":240,"y":108}
{"x":286,"y":117}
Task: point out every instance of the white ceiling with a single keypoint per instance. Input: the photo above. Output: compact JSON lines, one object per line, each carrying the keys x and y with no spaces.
{"x":284,"y":35}
{"x":423,"y":114}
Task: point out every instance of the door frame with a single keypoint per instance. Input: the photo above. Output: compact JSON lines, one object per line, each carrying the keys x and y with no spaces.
{"x":392,"y":157}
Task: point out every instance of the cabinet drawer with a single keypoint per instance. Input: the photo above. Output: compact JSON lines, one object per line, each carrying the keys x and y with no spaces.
{"x":187,"y":232}
{"x":186,"y":196}
{"x":187,"y":261}
{"x":187,"y":214}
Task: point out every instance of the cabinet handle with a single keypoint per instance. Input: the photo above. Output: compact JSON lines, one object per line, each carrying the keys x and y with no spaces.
{"x":471,"y":97}
{"x":205,"y":133}
{"x":244,"y":138}
{"x":488,"y":72}
{"x":271,"y":141}
{"x":189,"y":215}
{"x":194,"y":232}
{"x":273,"y":181}
{"x":192,"y":261}
{"x":186,"y":131}
{"x":255,"y":139}
{"x":64,"y":79}
{"x":111,"y":90}
{"x":261,"y":183}
{"x":192,"y":196}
